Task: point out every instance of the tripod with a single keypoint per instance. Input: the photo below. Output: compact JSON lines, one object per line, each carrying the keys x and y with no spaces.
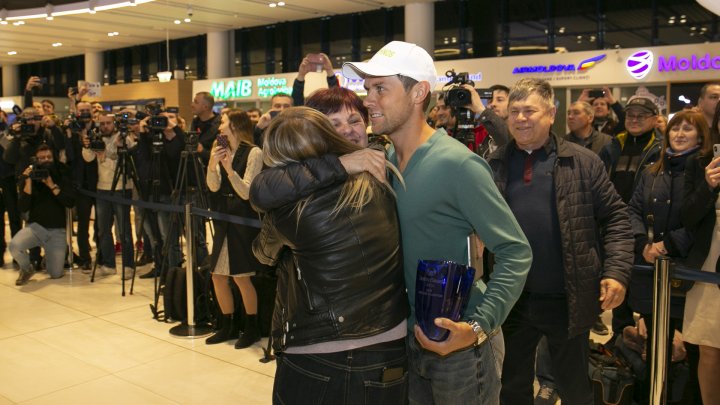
{"x":190,"y":168}
{"x":124,"y":167}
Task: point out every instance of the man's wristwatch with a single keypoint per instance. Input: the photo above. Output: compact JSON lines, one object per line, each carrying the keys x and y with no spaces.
{"x":479,"y":332}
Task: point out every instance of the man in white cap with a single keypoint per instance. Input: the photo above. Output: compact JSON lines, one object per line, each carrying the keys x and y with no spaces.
{"x":448,"y":194}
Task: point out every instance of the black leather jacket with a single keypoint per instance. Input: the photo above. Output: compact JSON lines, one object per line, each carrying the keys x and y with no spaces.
{"x":345,"y":279}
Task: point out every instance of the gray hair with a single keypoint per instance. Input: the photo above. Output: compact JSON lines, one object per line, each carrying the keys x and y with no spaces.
{"x":526,"y":87}
{"x":586,"y":107}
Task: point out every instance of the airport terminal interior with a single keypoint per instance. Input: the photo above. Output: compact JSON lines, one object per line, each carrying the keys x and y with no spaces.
{"x":76,"y":341}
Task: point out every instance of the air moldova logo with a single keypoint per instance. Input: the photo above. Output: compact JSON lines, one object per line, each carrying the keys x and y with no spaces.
{"x":581,"y":67}
{"x":639,"y":64}
{"x":588,"y":63}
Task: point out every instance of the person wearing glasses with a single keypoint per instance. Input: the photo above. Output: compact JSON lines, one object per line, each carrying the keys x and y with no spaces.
{"x":629,"y":153}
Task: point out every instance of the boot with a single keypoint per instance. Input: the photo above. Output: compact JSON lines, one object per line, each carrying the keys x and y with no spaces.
{"x":250,"y":333}
{"x":228,"y":330}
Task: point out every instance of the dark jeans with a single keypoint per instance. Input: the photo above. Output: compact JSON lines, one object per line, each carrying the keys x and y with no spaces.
{"x":543,"y":365}
{"x":83,"y":206}
{"x":349,"y":377}
{"x":9,"y":204}
{"x":106,"y":213}
{"x":534,"y":316}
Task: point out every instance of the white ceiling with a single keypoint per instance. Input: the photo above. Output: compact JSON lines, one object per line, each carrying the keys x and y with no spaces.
{"x":146,"y":23}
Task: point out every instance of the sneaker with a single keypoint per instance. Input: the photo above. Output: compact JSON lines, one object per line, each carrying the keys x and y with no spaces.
{"x":599,"y":328}
{"x":546,"y":396}
{"x":118,"y":248}
{"x":107,"y":271}
{"x":128,"y":273}
{"x":24,"y":276}
{"x":86,"y":270}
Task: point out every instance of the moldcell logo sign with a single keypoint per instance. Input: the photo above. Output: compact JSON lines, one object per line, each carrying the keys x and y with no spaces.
{"x":639,"y":64}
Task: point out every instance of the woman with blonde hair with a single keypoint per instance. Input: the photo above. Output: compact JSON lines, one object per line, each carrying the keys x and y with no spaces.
{"x":339,"y":321}
{"x":234,"y":162}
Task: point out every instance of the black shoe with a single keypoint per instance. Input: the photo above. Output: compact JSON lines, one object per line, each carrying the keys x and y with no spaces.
{"x":599,"y":328}
{"x":86,"y":265}
{"x":150,"y":274}
{"x":227,"y":330}
{"x":24,"y":276}
{"x":250,"y":333}
{"x":143,"y":260}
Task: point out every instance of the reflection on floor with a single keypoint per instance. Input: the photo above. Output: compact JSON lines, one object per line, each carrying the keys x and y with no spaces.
{"x":69,"y":341}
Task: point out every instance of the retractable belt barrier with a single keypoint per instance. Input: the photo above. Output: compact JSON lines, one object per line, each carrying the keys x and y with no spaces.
{"x":178,"y":209}
{"x":663,"y":271}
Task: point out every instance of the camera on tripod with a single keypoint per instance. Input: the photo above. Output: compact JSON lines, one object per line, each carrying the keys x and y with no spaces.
{"x":123,"y":120}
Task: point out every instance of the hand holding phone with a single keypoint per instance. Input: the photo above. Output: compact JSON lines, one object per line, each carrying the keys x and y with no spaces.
{"x":222,"y":141}
{"x":596,"y":93}
{"x":317,"y":60}
{"x":716,"y":150}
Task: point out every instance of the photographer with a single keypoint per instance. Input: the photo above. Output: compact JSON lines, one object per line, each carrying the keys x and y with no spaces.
{"x":478,"y":127}
{"x":28,"y":133}
{"x":605,"y":105}
{"x":84,"y":176}
{"x":278,"y":103}
{"x":160,"y":149}
{"x":104,"y":147}
{"x":8,"y":185}
{"x":45,"y":194}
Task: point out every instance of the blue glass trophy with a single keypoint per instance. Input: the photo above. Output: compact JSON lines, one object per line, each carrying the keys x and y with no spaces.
{"x":442,"y":289}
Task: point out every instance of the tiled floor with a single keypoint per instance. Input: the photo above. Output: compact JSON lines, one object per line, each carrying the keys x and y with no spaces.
{"x":69,"y":341}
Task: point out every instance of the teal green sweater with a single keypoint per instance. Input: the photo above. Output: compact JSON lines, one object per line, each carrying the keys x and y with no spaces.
{"x":449,"y":193}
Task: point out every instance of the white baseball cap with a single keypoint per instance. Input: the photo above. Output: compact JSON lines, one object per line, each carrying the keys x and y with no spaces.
{"x":395,"y":58}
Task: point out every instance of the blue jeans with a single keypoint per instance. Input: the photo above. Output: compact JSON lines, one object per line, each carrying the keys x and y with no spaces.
{"x":466,"y":377}
{"x":350,"y":377}
{"x":105,"y":212}
{"x":52,"y":240}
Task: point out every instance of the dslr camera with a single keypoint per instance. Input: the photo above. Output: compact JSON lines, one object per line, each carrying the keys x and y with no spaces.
{"x":76,"y":122}
{"x":459,"y":100}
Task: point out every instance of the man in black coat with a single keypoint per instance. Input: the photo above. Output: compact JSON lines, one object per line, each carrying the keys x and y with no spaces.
{"x":562,"y":198}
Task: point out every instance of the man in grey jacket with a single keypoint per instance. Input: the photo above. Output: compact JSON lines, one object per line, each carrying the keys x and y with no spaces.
{"x":562,"y":198}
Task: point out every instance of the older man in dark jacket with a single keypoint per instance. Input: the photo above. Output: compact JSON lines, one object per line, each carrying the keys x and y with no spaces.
{"x":563,"y":200}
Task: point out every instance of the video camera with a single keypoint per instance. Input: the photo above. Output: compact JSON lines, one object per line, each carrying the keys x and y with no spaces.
{"x":459,"y":99}
{"x":96,"y":142}
{"x":122,"y":120}
{"x":156,"y":122}
{"x":40,"y":172}
{"x":77,"y":122}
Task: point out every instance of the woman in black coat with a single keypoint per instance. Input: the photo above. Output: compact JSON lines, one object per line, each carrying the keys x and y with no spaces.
{"x":655,"y":214}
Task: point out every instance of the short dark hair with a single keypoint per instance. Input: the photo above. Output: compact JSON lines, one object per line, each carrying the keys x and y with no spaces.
{"x":281,"y":95}
{"x":330,"y":101}
{"x":254,"y":109}
{"x":499,"y":87}
{"x":207,"y":98}
{"x":408,"y":83}
{"x":43,"y":147}
{"x":704,"y":88}
{"x":48,"y":101}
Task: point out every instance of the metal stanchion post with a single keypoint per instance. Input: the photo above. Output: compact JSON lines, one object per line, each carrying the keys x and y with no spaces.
{"x":68,"y":235}
{"x":189,"y":329}
{"x":661,"y":323}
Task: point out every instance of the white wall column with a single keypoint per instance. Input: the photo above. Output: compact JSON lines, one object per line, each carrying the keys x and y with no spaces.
{"x":10,"y":79}
{"x":94,"y":68}
{"x":219,"y":54}
{"x":420,"y":25}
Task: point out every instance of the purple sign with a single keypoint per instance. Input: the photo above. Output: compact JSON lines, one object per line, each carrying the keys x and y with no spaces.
{"x":639,"y":64}
{"x":695,"y":62}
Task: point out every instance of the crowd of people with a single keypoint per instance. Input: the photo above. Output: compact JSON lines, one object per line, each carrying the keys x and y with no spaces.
{"x":352,"y":193}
